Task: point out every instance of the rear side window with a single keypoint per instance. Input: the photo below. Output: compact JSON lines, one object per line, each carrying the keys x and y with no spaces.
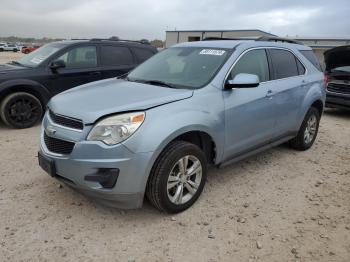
{"x":142,"y":54}
{"x":253,"y":62}
{"x":301,"y":68}
{"x":116,"y":56}
{"x":284,"y":63}
{"x":309,"y":55}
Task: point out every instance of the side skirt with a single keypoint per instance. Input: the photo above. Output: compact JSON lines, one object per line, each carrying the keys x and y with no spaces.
{"x":256,"y":151}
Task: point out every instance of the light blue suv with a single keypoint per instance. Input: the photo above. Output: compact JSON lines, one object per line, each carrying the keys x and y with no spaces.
{"x":154,"y":132}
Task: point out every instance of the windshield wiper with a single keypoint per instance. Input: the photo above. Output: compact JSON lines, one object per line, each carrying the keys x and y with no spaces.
{"x":16,"y":63}
{"x":123,"y":76}
{"x":155,"y":82}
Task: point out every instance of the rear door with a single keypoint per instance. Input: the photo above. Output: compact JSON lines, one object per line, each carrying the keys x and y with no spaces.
{"x":116,"y":60}
{"x":288,"y":86}
{"x":142,"y":54}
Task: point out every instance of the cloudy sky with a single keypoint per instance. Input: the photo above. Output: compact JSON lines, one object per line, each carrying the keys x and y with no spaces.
{"x":135,"y":19}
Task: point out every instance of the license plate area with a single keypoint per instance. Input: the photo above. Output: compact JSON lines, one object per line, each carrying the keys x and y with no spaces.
{"x":48,"y":165}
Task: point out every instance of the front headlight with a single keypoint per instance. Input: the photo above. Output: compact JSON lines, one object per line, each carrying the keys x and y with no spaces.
{"x":115,"y":129}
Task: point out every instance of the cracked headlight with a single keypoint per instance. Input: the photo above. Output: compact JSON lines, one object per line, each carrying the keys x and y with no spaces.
{"x":115,"y":129}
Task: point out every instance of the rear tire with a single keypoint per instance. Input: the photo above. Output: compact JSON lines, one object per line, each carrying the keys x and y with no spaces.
{"x":177,"y":178}
{"x":308,"y":131}
{"x":21,"y":110}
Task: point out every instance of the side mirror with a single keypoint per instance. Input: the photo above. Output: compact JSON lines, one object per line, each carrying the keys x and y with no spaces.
{"x":243,"y":81}
{"x":57,"y":64}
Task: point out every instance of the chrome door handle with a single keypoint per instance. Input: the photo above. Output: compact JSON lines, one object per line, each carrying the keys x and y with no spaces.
{"x":269,"y":94}
{"x":304,"y":83}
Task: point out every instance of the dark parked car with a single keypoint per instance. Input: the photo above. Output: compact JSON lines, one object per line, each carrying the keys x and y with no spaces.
{"x":338,"y":77}
{"x":27,"y":85}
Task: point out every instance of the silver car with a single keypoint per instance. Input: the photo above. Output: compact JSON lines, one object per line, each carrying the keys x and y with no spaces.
{"x":154,"y":132}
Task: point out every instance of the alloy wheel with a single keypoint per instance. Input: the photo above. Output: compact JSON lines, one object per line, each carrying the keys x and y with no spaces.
{"x":24,"y":110}
{"x":310,"y":130}
{"x":184,"y":179}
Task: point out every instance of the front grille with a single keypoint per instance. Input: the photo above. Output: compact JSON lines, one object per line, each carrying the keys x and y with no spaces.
{"x":58,"y":146}
{"x":338,"y":88}
{"x":66,"y":121}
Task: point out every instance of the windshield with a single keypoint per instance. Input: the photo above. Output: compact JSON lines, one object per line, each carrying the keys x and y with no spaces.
{"x":36,"y":57}
{"x":181,"y":67}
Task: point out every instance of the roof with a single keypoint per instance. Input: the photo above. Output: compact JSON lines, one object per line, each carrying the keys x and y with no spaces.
{"x":238,"y":30}
{"x":230,"y":44}
{"x":227,"y":44}
{"x":96,"y":40}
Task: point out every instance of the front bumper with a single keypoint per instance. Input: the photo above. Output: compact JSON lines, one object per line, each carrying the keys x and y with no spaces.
{"x":92,"y":159}
{"x":337,"y":100}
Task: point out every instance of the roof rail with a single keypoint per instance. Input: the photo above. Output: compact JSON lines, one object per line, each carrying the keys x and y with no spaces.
{"x":119,"y":40}
{"x":262,"y":38}
{"x":225,"y":38}
{"x":107,"y":39}
{"x":279,"y":39}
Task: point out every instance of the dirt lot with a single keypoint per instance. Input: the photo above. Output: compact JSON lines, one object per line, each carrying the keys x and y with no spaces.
{"x":280,"y":205}
{"x":9,"y":56}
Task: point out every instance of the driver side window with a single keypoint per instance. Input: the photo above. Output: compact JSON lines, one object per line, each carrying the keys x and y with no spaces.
{"x":80,"y":57}
{"x":253,"y":62}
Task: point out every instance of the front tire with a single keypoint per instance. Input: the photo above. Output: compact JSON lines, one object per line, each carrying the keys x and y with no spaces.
{"x":308,"y":131}
{"x":177,"y":178}
{"x":21,"y":110}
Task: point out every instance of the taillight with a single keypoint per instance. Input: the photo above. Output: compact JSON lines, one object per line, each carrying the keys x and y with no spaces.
{"x":326,"y":79}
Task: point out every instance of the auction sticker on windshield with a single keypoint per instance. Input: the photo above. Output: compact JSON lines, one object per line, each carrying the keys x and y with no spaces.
{"x":212,"y":52}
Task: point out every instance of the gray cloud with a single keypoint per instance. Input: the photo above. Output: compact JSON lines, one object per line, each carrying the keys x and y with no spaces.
{"x":135,"y":19}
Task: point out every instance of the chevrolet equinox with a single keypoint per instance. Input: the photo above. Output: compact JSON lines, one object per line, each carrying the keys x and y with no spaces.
{"x":154,"y":132}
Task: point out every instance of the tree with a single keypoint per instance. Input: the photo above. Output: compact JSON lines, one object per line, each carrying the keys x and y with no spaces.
{"x":114,"y":38}
{"x":157,"y":43}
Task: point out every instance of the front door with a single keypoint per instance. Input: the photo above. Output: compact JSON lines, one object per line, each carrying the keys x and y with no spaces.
{"x":81,"y":68}
{"x":249,"y":112}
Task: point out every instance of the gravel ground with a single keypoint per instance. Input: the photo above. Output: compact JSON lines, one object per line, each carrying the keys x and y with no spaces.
{"x":9,"y":56}
{"x":281,"y":205}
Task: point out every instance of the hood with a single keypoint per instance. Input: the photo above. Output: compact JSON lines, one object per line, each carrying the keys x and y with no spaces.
{"x":8,"y":68}
{"x":337,"y":57}
{"x":92,"y":101}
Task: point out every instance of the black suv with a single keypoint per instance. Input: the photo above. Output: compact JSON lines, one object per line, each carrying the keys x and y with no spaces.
{"x":338,"y":77}
{"x":27,"y":85}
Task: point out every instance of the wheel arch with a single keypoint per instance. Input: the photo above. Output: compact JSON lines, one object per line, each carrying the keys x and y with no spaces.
{"x":318,"y":104}
{"x":201,"y":139}
{"x":30,"y":87}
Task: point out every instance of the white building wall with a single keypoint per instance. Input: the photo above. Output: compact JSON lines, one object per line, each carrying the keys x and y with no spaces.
{"x":173,"y":37}
{"x":319,"y":45}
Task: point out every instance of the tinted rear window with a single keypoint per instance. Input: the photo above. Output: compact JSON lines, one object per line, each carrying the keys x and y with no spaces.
{"x":309,"y":55}
{"x":142,"y":54}
{"x":115,"y":56}
{"x":284,"y":63}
